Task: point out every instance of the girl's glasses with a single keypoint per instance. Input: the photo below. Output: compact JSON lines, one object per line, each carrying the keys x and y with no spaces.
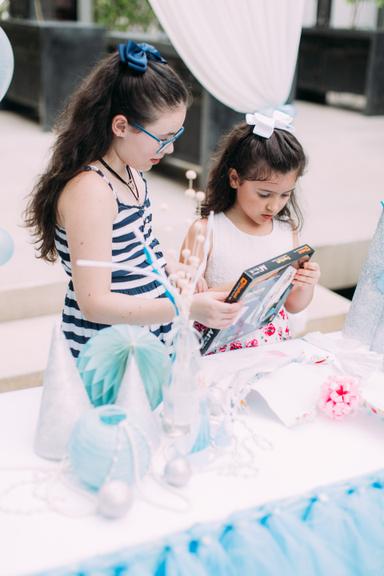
{"x":163,"y":143}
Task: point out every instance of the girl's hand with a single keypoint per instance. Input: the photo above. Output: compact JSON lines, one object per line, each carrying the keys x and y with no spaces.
{"x":201,"y":285}
{"x":209,"y":309}
{"x":180,"y":274}
{"x":308,"y":275}
{"x":186,"y":271}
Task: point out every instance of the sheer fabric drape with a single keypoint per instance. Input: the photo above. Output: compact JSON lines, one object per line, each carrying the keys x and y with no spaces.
{"x":242,"y":51}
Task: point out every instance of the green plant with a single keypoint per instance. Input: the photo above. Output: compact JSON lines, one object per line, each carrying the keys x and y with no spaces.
{"x":4,"y":9}
{"x":379,"y":3}
{"x":124,"y":14}
{"x":357,"y":3}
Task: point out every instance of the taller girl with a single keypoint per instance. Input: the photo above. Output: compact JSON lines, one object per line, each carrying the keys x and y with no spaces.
{"x":122,"y":120}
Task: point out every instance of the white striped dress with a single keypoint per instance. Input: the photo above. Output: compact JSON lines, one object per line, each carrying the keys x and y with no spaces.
{"x":125,"y":248}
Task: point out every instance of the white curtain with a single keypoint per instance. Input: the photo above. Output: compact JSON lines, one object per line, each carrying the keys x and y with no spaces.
{"x":242,"y":51}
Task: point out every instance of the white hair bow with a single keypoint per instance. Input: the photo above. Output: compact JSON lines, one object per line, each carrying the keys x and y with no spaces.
{"x":264,"y":123}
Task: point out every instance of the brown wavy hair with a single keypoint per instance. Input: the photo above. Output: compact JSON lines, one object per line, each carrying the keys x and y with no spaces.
{"x":84,"y":131}
{"x":254,"y":158}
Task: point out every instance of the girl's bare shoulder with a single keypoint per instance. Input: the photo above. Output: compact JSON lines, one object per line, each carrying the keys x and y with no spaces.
{"x":87,"y":190}
{"x":87,"y":184}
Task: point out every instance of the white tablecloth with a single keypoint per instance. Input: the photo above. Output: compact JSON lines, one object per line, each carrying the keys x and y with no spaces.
{"x":304,"y":457}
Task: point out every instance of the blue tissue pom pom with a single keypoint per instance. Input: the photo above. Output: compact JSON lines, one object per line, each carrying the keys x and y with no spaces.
{"x":105,"y":446}
{"x":103,"y":360}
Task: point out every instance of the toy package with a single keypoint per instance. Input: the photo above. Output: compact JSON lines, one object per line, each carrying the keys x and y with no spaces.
{"x":263,"y":289}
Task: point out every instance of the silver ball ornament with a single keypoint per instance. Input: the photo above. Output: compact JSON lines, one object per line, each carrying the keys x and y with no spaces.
{"x":200,"y":196}
{"x":178,"y":472}
{"x":114,"y":499}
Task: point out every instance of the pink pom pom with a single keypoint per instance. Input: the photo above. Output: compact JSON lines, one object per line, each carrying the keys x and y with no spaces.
{"x":339,"y":397}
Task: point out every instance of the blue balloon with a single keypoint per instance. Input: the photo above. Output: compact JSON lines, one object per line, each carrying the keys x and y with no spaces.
{"x":6,"y":246}
{"x":6,"y":63}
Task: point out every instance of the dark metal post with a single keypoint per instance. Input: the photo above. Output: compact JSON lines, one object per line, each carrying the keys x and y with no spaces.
{"x":323,"y":16}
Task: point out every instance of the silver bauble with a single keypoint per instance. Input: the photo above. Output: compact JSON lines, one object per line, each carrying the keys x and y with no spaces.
{"x":114,"y":499}
{"x":178,"y":472}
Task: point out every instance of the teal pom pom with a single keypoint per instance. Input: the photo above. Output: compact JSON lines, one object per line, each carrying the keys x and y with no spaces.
{"x":103,"y":360}
{"x":105,"y":446}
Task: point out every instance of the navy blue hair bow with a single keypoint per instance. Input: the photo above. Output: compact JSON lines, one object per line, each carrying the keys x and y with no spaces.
{"x":136,"y":56}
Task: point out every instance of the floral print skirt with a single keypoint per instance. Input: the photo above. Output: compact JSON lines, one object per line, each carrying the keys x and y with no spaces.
{"x":271,"y":333}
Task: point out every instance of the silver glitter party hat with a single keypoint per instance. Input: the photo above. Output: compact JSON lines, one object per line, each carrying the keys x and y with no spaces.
{"x":63,"y":401}
{"x":366,"y":314}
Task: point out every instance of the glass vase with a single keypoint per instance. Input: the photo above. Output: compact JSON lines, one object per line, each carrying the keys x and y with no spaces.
{"x":181,"y":400}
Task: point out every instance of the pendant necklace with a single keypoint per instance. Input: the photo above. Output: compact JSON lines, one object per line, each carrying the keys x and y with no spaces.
{"x":130,"y":183}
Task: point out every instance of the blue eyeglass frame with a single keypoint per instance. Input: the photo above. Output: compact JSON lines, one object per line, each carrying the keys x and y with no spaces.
{"x":163,"y":143}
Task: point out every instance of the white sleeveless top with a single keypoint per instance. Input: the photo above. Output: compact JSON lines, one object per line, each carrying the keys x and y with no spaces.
{"x":233,"y":250}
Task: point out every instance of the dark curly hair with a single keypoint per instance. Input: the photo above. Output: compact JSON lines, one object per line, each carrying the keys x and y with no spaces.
{"x":254,"y":158}
{"x":85,"y":133}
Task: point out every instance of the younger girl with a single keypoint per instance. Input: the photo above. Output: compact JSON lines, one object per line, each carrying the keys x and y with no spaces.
{"x":87,"y":205}
{"x":251,"y":190}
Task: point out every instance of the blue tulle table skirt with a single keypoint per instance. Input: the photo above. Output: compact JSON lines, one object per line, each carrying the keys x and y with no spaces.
{"x":337,"y":530}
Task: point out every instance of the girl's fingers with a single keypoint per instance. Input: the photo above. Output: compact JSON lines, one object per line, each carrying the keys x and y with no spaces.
{"x":311,"y":266}
{"x":305,"y":280}
{"x":308,"y":275}
{"x":301,"y":280}
{"x":226,"y":313}
{"x":201,"y":285}
{"x":217,"y":295}
{"x":210,"y":309}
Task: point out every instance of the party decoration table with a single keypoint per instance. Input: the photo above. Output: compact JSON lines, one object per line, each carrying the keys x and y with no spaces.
{"x":315,"y":507}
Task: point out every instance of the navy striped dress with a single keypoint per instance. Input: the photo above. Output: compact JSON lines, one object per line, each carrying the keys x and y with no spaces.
{"x":125,"y":248}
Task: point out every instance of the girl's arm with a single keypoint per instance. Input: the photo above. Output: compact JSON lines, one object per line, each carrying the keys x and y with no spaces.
{"x":304,"y":282}
{"x":86,"y":210}
{"x":191,"y":243}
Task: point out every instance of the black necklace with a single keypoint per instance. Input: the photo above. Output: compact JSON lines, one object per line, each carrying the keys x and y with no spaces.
{"x":130,"y":183}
